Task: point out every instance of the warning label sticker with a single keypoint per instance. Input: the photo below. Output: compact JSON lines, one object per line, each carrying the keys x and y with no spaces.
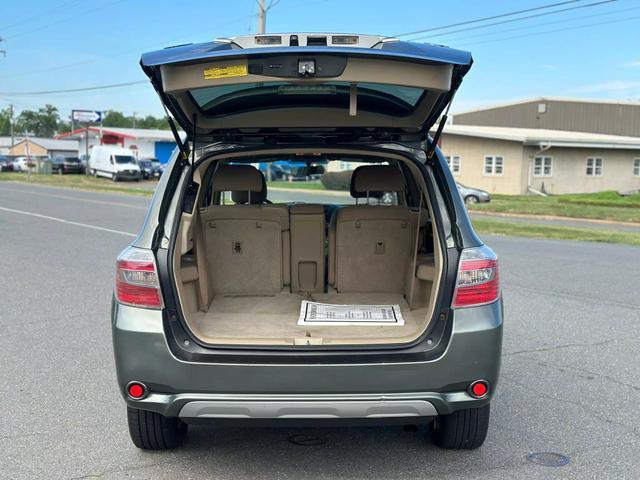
{"x":225,"y":72}
{"x":314,"y":313}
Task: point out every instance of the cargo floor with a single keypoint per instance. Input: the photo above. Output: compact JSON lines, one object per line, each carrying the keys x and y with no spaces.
{"x":272,"y":320}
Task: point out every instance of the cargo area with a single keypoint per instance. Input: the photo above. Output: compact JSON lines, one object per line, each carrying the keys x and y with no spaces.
{"x":244,"y":266}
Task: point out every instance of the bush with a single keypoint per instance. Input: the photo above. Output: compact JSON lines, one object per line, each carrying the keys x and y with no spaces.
{"x":337,"y":180}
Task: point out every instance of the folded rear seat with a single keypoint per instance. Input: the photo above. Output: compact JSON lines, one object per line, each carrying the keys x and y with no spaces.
{"x":370,"y":246}
{"x":247,"y":243}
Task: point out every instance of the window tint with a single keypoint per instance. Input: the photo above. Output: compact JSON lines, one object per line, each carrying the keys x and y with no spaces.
{"x":388,"y":99}
{"x":120,"y":159}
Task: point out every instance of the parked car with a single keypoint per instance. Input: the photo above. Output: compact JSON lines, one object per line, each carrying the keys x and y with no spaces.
{"x":61,"y":164}
{"x":150,"y":168}
{"x":23,"y":164}
{"x":473,"y":195}
{"x":240,"y":310}
{"x":6,"y":165}
{"x":115,"y":163}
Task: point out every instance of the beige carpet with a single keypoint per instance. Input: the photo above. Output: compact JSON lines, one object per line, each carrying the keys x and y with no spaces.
{"x":272,"y":320}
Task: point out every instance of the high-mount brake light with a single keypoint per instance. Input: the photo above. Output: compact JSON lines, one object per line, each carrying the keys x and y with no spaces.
{"x":137,"y":279}
{"x":269,"y":40}
{"x":477,"y":282}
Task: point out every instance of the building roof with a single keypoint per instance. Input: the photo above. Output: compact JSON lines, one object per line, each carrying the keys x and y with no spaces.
{"x":549,"y":99}
{"x":543,"y":137}
{"x":128,"y":133}
{"x":52,"y":143}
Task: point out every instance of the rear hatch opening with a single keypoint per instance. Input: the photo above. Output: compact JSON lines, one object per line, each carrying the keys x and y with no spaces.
{"x":254,"y":267}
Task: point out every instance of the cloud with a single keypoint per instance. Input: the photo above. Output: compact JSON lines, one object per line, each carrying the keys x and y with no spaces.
{"x":612,"y":86}
{"x":633,"y":64}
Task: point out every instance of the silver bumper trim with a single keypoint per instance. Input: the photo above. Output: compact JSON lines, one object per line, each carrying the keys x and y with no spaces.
{"x":308,"y":409}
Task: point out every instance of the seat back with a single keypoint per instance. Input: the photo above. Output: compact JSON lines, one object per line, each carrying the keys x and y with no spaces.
{"x":247,"y":243}
{"x":370,"y":246}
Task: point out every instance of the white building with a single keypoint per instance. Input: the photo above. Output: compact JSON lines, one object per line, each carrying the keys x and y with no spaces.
{"x":144,"y":143}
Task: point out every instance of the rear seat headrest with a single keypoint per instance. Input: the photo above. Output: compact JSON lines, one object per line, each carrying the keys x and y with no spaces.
{"x":375,"y":179}
{"x":240,"y":180}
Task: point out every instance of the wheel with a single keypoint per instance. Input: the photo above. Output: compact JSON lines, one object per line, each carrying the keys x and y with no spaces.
{"x":152,"y":431}
{"x":471,"y":199}
{"x":114,"y":177}
{"x":462,"y":430}
{"x":60,"y":171}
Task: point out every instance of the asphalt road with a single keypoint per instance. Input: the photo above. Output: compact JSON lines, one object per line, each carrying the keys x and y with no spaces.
{"x":570,"y":379}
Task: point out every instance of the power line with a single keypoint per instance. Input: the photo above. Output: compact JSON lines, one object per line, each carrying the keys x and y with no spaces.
{"x":558,"y":30}
{"x":528,"y":27}
{"x":493,"y":17}
{"x":62,"y":20}
{"x":501,"y":22}
{"x":40,"y":14}
{"x":73,"y":90}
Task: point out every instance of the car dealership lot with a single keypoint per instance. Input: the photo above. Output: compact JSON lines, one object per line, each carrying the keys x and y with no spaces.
{"x":570,"y":378}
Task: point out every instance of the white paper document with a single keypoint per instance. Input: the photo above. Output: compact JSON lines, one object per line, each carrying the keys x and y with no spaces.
{"x":314,"y":313}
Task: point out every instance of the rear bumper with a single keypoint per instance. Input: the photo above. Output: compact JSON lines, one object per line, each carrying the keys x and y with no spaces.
{"x":379,"y":389}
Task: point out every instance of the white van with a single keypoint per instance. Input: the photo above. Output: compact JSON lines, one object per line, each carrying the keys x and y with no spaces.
{"x":115,"y":163}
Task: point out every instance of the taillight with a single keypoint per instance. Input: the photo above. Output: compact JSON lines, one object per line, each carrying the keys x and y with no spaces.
{"x":477,"y":282}
{"x":137,"y":279}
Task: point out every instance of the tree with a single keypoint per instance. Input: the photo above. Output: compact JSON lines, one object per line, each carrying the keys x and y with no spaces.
{"x":116,"y":119}
{"x":43,"y":123}
{"x":5,"y":122}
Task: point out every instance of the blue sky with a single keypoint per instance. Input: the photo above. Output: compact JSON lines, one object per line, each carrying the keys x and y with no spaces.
{"x":59,"y":44}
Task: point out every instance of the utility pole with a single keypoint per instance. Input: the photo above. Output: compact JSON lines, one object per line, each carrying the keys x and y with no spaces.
{"x":262,"y":17}
{"x":11,"y":124}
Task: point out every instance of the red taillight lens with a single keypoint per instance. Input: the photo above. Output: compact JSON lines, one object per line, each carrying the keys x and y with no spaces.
{"x":137,"y":279}
{"x":479,"y":389}
{"x":477,"y":282}
{"x":136,"y":390}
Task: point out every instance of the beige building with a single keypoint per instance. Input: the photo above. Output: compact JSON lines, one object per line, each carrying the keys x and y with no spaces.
{"x":554,"y":113}
{"x":44,"y":147}
{"x":515,"y":160}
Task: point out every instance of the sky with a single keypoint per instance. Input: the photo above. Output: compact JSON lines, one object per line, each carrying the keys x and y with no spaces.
{"x":588,"y":52}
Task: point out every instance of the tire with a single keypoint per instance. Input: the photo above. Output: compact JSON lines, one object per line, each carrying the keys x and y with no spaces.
{"x":462,"y":430}
{"x":152,"y":431}
{"x":471,"y":199}
{"x":114,"y":177}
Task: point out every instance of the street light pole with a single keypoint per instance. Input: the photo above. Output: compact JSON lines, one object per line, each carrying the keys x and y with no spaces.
{"x":262,"y":17}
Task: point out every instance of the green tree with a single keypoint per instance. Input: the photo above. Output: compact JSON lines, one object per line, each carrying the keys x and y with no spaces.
{"x":43,"y":123}
{"x":116,"y":119}
{"x":5,"y":122}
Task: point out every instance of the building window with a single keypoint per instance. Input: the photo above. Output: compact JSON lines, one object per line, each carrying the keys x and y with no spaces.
{"x":493,"y":165}
{"x":454,"y":163}
{"x":594,"y":167}
{"x":542,"y":166}
{"x":636,"y":167}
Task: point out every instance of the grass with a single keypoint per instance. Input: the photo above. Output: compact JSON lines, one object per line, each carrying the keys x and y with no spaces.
{"x":519,"y":229}
{"x":296,"y":185}
{"x":600,"y":206}
{"x":81,"y":182}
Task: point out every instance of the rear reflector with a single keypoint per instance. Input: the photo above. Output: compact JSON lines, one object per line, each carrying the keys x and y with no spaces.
{"x":136,"y":390}
{"x":477,"y":282}
{"x":479,"y":389}
{"x":137,"y":279}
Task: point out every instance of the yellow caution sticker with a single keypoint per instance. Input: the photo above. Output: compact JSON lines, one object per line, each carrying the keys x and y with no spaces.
{"x":225,"y":72}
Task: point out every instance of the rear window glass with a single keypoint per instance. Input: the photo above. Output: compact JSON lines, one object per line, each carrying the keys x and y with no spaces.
{"x":389,"y":99}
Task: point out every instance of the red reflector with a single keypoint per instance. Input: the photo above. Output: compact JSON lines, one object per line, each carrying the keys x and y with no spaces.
{"x":479,"y":389}
{"x":136,"y":390}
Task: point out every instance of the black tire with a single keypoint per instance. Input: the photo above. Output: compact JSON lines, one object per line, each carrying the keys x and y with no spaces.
{"x":462,"y":430}
{"x":152,"y":431}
